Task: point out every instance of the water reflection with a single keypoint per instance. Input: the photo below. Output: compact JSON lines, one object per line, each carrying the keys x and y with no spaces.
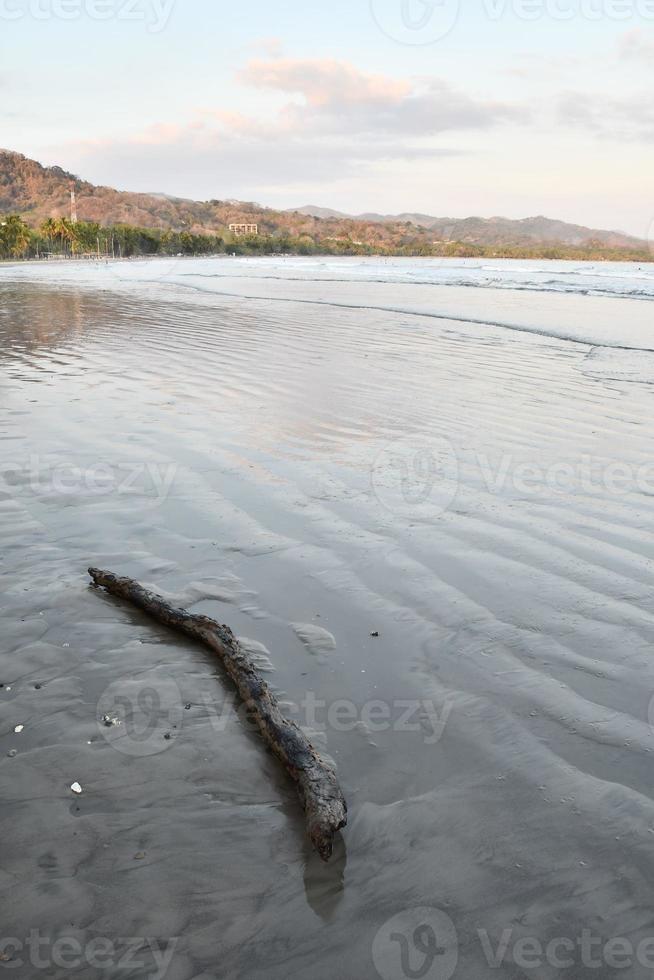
{"x":33,"y":318}
{"x":324,"y":884}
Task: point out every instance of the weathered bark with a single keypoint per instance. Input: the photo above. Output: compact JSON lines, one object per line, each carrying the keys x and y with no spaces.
{"x":323,"y":801}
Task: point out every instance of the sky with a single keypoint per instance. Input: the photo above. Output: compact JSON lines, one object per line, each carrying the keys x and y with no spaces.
{"x":446,"y":107}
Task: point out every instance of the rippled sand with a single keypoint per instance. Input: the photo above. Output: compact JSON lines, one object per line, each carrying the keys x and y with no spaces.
{"x":313,"y":468}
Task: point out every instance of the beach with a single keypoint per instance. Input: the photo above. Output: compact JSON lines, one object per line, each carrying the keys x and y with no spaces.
{"x":422,"y":493}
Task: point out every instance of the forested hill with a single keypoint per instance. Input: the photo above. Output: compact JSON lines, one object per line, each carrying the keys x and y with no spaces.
{"x":37,"y":193}
{"x":492,"y":231}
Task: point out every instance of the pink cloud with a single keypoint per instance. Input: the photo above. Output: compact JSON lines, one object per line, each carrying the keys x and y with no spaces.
{"x":345,"y":122}
{"x":340,"y":99}
{"x":323,"y":81}
{"x":159,"y":134}
{"x":637,"y":45}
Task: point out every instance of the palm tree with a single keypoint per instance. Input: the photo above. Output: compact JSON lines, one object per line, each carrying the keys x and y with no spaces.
{"x":65,"y":230}
{"x":15,"y":236}
{"x":49,"y":230}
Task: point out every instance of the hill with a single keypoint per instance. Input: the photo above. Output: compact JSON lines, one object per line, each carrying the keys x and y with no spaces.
{"x":492,"y":231}
{"x":36,"y":193}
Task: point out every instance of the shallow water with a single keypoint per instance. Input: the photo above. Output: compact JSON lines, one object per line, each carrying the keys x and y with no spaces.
{"x":313,"y":462}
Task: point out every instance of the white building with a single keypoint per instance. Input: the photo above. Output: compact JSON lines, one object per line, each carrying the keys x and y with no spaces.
{"x":244,"y":229}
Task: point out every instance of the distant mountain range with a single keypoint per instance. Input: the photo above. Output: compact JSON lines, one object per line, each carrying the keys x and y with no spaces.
{"x":37,"y":193}
{"x":489,"y":231}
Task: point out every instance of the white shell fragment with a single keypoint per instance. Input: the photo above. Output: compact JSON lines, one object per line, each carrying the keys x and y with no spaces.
{"x":76,"y":788}
{"x":18,"y":729}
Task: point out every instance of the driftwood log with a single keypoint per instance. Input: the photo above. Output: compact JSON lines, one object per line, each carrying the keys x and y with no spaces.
{"x":323,"y":801}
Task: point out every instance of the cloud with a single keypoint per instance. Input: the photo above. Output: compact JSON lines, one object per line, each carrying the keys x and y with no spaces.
{"x":532,"y":66}
{"x":607,"y":116}
{"x":218,"y":164}
{"x":636,"y":45}
{"x":338,"y":122}
{"x":272,"y":46}
{"x":324,"y":82}
{"x":339,"y":98}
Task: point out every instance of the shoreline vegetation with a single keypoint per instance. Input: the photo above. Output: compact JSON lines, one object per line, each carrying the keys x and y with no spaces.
{"x":61,"y":238}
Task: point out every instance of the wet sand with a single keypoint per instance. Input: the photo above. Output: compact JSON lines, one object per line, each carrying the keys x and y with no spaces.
{"x":311,"y":467}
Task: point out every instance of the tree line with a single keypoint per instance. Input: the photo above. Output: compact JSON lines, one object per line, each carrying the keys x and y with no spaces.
{"x":61,"y":237}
